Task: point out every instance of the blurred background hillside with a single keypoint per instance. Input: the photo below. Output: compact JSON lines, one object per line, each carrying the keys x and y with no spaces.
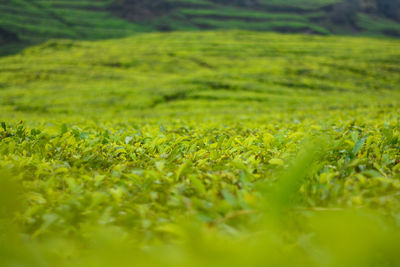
{"x":25,"y":22}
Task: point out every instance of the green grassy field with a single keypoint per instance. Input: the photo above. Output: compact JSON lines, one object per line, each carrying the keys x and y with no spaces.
{"x":210,"y":148}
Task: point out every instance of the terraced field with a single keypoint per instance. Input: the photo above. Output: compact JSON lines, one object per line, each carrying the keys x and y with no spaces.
{"x":37,"y":20}
{"x":210,"y":148}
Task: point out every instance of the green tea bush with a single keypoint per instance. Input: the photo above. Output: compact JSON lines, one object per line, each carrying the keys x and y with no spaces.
{"x":216,"y":148}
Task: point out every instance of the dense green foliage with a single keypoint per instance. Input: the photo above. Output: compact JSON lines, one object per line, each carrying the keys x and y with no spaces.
{"x":209,"y":148}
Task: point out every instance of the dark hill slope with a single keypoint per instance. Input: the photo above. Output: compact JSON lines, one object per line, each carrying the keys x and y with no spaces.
{"x":74,"y":19}
{"x":367,"y":17}
{"x":7,"y":36}
{"x":36,"y":20}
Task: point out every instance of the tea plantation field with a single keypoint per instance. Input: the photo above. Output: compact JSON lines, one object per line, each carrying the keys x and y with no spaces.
{"x":219,"y":148}
{"x":30,"y":22}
